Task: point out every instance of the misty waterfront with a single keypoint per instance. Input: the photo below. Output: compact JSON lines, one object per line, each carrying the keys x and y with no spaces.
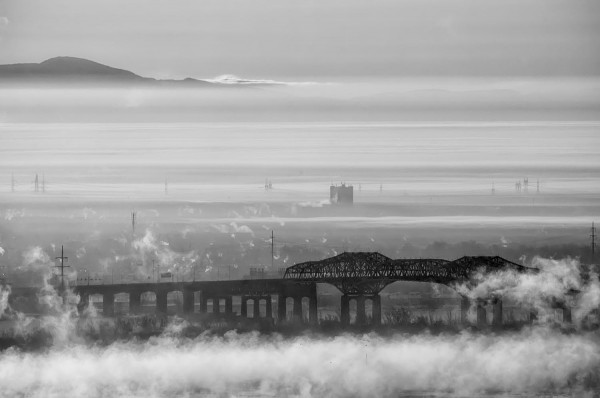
{"x":383,"y":199}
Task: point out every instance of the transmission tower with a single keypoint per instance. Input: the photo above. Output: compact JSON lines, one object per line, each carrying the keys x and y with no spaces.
{"x":133,"y":219}
{"x":62,"y":267}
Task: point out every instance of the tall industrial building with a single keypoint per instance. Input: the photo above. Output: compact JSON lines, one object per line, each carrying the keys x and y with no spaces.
{"x":341,"y":194}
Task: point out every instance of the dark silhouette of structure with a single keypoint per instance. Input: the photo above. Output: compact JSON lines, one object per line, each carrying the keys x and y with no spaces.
{"x":62,"y":267}
{"x":359,"y":276}
{"x":341,"y":194}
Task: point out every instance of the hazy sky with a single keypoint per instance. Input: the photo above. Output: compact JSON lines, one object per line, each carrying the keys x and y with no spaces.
{"x":310,"y":38}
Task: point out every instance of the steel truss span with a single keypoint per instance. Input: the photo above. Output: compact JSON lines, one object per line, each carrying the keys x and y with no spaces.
{"x":370,"y":272}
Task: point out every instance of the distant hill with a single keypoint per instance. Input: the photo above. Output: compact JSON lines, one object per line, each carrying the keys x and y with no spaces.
{"x":74,"y":71}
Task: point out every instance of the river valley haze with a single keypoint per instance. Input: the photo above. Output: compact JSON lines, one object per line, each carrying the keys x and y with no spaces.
{"x":299,"y":199}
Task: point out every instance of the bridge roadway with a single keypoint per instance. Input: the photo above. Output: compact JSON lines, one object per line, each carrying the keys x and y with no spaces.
{"x":213,"y":292}
{"x":360,"y":276}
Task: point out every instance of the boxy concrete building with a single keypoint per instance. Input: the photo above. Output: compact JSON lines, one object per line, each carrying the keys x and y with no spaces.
{"x":341,"y":194}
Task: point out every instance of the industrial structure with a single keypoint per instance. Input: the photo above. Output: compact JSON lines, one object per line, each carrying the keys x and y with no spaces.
{"x":359,"y":276}
{"x":341,"y":194}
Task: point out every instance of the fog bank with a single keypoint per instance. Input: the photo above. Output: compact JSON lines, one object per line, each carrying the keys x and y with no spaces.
{"x":533,"y":361}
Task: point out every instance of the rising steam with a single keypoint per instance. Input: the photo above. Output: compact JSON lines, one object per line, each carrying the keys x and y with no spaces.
{"x":536,"y":361}
{"x":559,"y":280}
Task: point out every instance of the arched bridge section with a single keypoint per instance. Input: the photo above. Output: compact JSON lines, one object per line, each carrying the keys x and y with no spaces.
{"x":364,"y":274}
{"x":352,"y":272}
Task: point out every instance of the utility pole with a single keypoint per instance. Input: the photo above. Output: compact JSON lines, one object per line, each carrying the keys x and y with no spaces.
{"x":593,"y":237}
{"x":154,"y":271}
{"x":36,"y":184}
{"x":272,"y":248}
{"x":133,"y":217}
{"x":62,"y":266}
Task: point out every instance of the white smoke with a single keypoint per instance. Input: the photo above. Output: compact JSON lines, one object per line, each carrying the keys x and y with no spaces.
{"x":320,"y":203}
{"x":558,"y":280}
{"x":148,"y":248}
{"x":36,"y":259}
{"x":9,"y":214}
{"x":4,"y":293}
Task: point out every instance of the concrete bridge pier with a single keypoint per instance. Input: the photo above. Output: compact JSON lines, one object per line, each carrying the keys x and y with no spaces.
{"x":188,"y":302}
{"x":497,"y":312}
{"x":481,"y":314}
{"x":203,"y":304}
{"x":244,"y":309}
{"x":256,"y":301}
{"x":298,"y":308}
{"x":161,"y":302}
{"x":313,"y":316}
{"x":229,"y":306}
{"x":281,"y":308}
{"x":108,"y":304}
{"x":377,"y":310}
{"x":465,"y":305}
{"x":135,"y":302}
{"x":533,"y":315}
{"x":269,"y":313}
{"x":567,"y":315}
{"x":216,"y":304}
{"x":361,"y":316}
{"x":345,"y":310}
{"x":84,"y":302}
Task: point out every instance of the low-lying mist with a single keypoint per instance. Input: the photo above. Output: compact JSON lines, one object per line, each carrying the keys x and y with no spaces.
{"x":537,"y":360}
{"x":533,"y":361}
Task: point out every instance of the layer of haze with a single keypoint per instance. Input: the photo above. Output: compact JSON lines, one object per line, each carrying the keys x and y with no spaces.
{"x":307,"y":39}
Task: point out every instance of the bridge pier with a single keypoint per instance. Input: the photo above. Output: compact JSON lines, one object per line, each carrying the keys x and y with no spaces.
{"x":298,"y":308}
{"x":84,"y":302}
{"x":345,"y":310}
{"x":108,"y":304}
{"x":567,"y":314}
{"x":361,"y":316}
{"x":497,"y":312}
{"x":135,"y":302}
{"x":313,"y":315}
{"x":256,"y":301}
{"x":269,"y":313}
{"x":533,"y":315}
{"x":188,"y":301}
{"x":376,"y":310}
{"x":481,"y":314}
{"x":216,"y":303}
{"x":161,"y":302}
{"x":281,"y":308}
{"x":465,"y":305}
{"x":203,"y":304}
{"x":229,"y":306}
{"x":244,"y":309}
